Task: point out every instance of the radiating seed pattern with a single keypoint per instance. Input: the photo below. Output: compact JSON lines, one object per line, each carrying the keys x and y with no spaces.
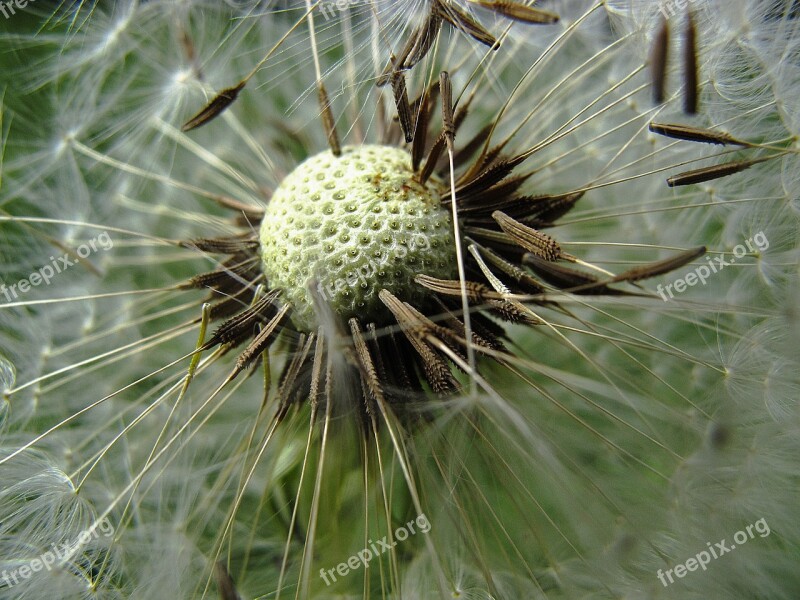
{"x":351,"y":226}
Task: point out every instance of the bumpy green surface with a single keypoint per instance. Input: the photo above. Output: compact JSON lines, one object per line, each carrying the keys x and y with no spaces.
{"x":354,"y":224}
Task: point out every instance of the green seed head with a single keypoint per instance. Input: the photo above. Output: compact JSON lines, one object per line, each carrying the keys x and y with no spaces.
{"x":355,"y":224}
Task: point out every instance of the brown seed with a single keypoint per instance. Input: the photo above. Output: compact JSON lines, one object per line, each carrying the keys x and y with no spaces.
{"x":253,"y":214}
{"x":240,"y":272}
{"x":714,"y":172}
{"x":497,"y":197}
{"x":658,"y":62}
{"x":421,"y":131}
{"x":327,"y":120}
{"x":453,"y":329}
{"x":547,"y":209}
{"x":436,"y":371}
{"x":214,"y":108}
{"x":433,"y":158}
{"x":511,"y":312}
{"x":527,"y":283}
{"x":660,"y":267}
{"x":386,"y":76}
{"x":566,"y":278}
{"x":538,"y":243}
{"x":490,"y":176}
{"x":448,"y":126}
{"x":463,"y":21}
{"x":262,"y":341}
{"x":476,"y":292}
{"x":690,"y":67}
{"x":231,"y":304}
{"x":231,"y":245}
{"x":316,"y":370}
{"x":416,"y":48}
{"x":424,"y":38}
{"x":289,"y":377}
{"x":225,"y":583}
{"x":471,"y":147}
{"x":695,"y":134}
{"x":520,"y":12}
{"x":242,"y":323}
{"x":368,"y":372}
{"x":401,"y":101}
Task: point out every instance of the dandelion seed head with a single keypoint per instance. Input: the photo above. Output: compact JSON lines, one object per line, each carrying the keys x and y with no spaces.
{"x":354,"y":224}
{"x":605,"y":435}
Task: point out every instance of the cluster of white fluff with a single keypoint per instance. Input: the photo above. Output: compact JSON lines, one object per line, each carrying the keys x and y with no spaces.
{"x":616,"y":445}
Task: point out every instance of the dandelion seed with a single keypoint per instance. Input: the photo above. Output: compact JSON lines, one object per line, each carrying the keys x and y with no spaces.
{"x":658,"y":59}
{"x":715,"y":172}
{"x":691,"y":98}
{"x":695,"y":134}
{"x":218,"y":104}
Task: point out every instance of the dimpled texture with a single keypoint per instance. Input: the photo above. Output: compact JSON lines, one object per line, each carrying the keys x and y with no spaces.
{"x":355,"y":224}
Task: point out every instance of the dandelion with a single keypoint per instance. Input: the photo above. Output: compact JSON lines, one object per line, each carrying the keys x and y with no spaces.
{"x":378,"y":315}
